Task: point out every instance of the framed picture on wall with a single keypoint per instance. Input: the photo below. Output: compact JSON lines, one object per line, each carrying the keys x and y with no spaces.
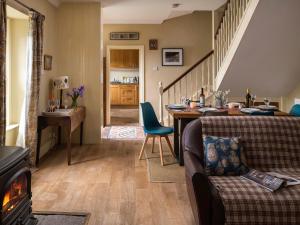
{"x":153,"y":44}
{"x":47,"y":62}
{"x":172,"y":56}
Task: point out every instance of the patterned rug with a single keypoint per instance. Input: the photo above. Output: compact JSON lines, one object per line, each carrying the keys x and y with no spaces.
{"x":125,"y":132}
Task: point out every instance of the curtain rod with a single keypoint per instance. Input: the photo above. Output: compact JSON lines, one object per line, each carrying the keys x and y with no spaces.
{"x":27,"y":7}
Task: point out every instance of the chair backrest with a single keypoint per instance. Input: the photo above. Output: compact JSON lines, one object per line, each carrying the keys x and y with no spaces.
{"x":149,"y":117}
{"x":215,"y":113}
{"x":295,"y":111}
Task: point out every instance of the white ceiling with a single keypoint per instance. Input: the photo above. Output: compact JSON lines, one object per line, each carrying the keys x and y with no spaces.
{"x":147,"y":11}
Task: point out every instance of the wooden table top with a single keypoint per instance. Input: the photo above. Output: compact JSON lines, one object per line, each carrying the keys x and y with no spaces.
{"x":78,"y":110}
{"x":195,"y":113}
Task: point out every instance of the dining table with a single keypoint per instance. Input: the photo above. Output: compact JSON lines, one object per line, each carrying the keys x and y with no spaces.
{"x":181,"y":117}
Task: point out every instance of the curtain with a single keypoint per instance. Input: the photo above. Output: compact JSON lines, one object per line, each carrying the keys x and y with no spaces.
{"x":2,"y":71}
{"x":33,"y":82}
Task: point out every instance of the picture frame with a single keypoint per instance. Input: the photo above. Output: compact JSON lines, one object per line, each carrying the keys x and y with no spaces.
{"x":47,"y":62}
{"x":153,"y":44}
{"x":172,"y":57}
{"x":124,"y":36}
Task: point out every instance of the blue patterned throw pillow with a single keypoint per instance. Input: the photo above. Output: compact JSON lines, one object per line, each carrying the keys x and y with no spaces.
{"x":224,"y":156}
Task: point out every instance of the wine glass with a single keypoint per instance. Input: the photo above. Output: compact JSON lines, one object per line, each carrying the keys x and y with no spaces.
{"x":267,"y":101}
{"x":183,"y":100}
{"x":253,"y":98}
{"x":66,"y":103}
{"x":57,"y":103}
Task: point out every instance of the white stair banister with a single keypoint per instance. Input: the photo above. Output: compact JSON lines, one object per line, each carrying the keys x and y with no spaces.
{"x":161,"y":109}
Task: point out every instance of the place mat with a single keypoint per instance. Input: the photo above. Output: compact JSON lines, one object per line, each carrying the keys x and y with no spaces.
{"x":171,"y":172}
{"x":61,"y":218}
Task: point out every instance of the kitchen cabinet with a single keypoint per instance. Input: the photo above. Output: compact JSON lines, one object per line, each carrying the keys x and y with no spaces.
{"x":124,"y":94}
{"x":124,"y":59}
{"x":114,"y":94}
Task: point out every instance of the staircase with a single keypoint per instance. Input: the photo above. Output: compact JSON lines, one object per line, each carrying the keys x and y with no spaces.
{"x":235,"y":21}
{"x":209,"y":71}
{"x":188,"y":85}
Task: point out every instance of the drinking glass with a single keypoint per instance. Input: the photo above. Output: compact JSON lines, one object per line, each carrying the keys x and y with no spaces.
{"x":253,"y":98}
{"x":267,"y":101}
{"x":183,"y":100}
{"x":57,"y":103}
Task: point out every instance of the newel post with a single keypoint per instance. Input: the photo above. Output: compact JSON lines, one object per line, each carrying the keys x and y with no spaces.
{"x":161,"y":109}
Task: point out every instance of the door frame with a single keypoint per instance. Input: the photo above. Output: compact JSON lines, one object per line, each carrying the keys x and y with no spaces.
{"x":141,"y":49}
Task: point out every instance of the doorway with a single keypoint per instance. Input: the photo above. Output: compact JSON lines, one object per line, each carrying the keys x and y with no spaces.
{"x":124,"y":85}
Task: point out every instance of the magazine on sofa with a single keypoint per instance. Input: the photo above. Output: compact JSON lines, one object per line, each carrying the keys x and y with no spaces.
{"x":272,"y":181}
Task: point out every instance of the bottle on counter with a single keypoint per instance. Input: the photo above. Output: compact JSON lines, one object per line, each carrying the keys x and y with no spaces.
{"x":248,"y":98}
{"x":202,"y":98}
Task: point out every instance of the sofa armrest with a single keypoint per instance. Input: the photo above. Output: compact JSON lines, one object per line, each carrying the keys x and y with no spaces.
{"x":198,"y":189}
{"x":205,"y":200}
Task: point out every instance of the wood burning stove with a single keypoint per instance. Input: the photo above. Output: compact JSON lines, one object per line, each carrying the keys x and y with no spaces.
{"x":15,"y":187}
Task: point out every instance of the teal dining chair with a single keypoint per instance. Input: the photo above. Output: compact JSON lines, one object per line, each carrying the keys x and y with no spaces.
{"x":153,"y":129}
{"x":295,"y":111}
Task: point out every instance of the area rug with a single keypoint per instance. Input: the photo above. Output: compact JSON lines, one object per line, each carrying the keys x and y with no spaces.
{"x":61,"y":218}
{"x":171,"y":172}
{"x":126,"y":132}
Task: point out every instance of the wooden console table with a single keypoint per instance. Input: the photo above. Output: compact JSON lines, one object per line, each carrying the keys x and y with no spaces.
{"x":69,"y":123}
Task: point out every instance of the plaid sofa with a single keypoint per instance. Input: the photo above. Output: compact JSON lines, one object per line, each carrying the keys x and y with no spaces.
{"x":270,"y":144}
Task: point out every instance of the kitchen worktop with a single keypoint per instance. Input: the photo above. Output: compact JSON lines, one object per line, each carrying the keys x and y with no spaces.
{"x":117,"y":83}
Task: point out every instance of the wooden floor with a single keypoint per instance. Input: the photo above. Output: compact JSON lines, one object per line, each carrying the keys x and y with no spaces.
{"x":110,"y":182}
{"x":124,"y":115}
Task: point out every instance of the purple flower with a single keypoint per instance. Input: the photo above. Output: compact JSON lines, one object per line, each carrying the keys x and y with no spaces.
{"x":76,"y":92}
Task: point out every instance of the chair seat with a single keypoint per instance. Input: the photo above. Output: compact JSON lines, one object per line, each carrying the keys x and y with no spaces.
{"x":246,"y":203}
{"x":159,"y":130}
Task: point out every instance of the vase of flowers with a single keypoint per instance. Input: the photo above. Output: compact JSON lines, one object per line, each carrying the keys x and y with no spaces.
{"x":75,"y":94}
{"x":221,"y":98}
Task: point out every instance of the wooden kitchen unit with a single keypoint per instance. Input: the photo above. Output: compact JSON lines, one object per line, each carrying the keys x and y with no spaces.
{"x":124,"y":94}
{"x":124,"y":59}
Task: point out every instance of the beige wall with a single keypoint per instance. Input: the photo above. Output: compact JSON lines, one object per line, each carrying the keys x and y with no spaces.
{"x":72,"y":37}
{"x":218,"y":16}
{"x":79,"y":57}
{"x":191,"y":32}
{"x":289,"y":100}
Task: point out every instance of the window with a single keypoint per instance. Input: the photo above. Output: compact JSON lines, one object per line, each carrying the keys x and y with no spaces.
{"x":16,"y":67}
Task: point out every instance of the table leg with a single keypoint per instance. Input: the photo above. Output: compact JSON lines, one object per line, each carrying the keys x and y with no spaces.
{"x":59,"y":135}
{"x":39,"y":137}
{"x":176,"y":135}
{"x":69,"y":146}
{"x":81,"y":132}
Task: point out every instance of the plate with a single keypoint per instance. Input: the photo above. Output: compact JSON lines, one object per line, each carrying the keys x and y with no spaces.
{"x":206,"y":109}
{"x":270,"y":107}
{"x":249,"y":110}
{"x":176,"y":106}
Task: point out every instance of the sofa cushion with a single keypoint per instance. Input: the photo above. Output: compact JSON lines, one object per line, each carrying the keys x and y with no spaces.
{"x":271,"y":142}
{"x":223,"y":156}
{"x":245,"y":203}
